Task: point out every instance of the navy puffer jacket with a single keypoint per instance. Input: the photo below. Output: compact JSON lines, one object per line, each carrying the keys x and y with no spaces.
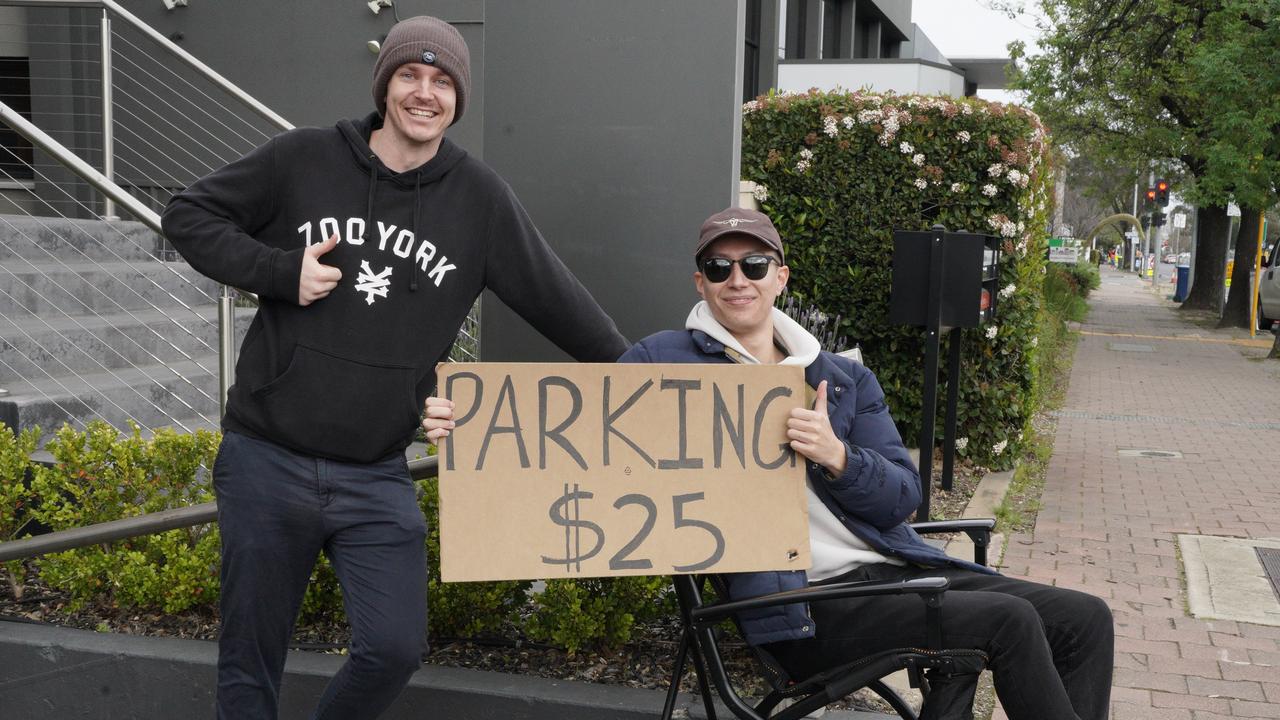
{"x":875,"y":495}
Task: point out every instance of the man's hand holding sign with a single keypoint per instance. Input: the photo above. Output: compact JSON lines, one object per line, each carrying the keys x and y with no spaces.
{"x":555,"y":470}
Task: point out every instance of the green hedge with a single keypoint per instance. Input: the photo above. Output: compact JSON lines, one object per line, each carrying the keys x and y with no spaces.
{"x":839,"y":172}
{"x":100,"y":475}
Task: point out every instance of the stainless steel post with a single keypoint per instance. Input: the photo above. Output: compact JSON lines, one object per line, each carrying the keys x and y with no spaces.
{"x":226,"y":344}
{"x":108,"y":139}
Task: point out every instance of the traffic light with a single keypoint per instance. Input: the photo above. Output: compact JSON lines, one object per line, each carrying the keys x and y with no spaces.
{"x":1157,"y":218}
{"x":1151,"y":196}
{"x":1162,"y":193}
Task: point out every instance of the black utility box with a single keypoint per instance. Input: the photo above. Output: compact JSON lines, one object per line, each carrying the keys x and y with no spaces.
{"x":967,"y":282}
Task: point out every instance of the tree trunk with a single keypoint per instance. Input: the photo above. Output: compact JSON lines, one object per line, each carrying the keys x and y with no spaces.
{"x":1236,"y":313}
{"x":1212,"y":227}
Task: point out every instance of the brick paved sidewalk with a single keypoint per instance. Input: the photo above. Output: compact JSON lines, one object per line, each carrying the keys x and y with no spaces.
{"x":1145,"y":378}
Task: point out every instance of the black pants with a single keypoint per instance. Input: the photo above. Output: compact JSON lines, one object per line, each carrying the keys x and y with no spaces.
{"x":277,"y":510}
{"x":1051,"y":649}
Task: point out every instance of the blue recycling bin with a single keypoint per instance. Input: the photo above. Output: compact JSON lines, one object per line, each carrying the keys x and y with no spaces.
{"x":1184,"y":282}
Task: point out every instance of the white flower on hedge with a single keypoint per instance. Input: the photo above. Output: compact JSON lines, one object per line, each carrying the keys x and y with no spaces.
{"x":966,"y":109}
{"x":866,"y":117}
{"x":1035,"y":341}
{"x":806,"y":154}
{"x":1007,"y":291}
{"x":1021,"y":226}
{"x":886,"y":138}
{"x":992,"y":332}
{"x":760,"y":193}
{"x":999,"y":447}
{"x":963,"y":136}
{"x":1008,"y":229}
{"x":918,"y":159}
{"x":921,"y":183}
{"x":847,"y":122}
{"x":829,"y":126}
{"x":989,"y":190}
{"x":750,"y":106}
{"x":802,"y":166}
{"x":913,"y":101}
{"x":906,"y":148}
{"x":996,"y":170}
{"x":962,"y":443}
{"x":956,"y":187}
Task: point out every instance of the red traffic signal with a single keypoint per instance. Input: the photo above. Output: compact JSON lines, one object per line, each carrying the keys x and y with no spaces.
{"x":1161,"y":192}
{"x":1151,"y":195}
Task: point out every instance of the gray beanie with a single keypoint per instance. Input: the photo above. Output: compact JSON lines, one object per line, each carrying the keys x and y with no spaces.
{"x":428,"y":40}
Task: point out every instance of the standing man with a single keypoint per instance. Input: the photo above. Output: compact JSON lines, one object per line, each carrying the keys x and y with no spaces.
{"x":367,"y":244}
{"x":1050,"y":648}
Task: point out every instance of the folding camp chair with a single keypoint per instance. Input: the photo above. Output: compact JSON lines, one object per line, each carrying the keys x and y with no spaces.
{"x":700,"y":641}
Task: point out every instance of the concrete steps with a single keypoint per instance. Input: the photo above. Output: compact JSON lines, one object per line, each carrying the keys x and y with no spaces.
{"x":92,"y":325}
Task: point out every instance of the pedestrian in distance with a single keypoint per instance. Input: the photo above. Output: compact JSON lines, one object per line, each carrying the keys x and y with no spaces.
{"x":1050,"y":648}
{"x":367,"y":244}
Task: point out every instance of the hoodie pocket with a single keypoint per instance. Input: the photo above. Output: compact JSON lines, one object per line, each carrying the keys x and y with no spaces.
{"x":335,"y":407}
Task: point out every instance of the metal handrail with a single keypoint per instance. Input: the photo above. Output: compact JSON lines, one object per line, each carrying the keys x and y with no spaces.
{"x":224,"y":84}
{"x":147,"y":524}
{"x":71,"y":161}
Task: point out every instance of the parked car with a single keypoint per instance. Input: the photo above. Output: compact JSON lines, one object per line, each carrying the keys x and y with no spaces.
{"x":1269,"y":289}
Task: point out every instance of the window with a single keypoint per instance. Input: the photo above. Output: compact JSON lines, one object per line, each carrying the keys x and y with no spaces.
{"x":16,"y":153}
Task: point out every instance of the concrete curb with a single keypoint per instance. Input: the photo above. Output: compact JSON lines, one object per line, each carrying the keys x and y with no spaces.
{"x":54,"y":672}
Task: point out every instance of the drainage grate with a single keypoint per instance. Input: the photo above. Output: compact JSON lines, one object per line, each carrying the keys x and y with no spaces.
{"x":1130,"y":347}
{"x":1138,"y":452}
{"x":1270,"y":559}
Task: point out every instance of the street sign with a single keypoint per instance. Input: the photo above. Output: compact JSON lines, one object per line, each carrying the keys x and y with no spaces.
{"x":1180,"y":220}
{"x":1233,"y":210}
{"x":1064,"y":254}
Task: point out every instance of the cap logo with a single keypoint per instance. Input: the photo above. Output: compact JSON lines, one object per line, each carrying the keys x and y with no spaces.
{"x":733,"y":222}
{"x":428,"y":57}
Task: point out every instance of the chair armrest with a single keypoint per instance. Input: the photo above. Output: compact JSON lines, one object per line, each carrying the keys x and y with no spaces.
{"x":978,"y":530}
{"x":961,"y":525}
{"x":925,"y":586}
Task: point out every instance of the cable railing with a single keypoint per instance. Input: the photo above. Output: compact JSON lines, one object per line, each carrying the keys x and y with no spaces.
{"x":106,"y":119}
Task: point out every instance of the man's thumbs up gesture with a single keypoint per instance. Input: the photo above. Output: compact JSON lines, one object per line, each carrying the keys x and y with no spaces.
{"x":811,"y":434}
{"x":317,"y":280}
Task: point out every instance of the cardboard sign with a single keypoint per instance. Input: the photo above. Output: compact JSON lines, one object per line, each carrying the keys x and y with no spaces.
{"x":568,"y":470}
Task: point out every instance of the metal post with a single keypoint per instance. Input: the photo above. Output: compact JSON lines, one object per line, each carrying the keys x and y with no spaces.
{"x":226,"y":344}
{"x":932,"y":340}
{"x":953,"y":402}
{"x":108,"y":139}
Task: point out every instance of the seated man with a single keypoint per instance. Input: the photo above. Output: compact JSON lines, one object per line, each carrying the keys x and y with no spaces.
{"x":1050,"y":648}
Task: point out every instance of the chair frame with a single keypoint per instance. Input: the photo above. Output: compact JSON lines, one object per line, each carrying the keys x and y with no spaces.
{"x":700,"y":643}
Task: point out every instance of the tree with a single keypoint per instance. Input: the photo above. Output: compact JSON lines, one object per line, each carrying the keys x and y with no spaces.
{"x":1234,"y":71}
{"x":1144,"y":79}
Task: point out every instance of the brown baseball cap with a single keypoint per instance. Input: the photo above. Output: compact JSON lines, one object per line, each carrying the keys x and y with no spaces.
{"x":739,"y":221}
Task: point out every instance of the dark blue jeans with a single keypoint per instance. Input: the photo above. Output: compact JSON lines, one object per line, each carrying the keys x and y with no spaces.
{"x":277,"y":510}
{"x":1051,"y":649}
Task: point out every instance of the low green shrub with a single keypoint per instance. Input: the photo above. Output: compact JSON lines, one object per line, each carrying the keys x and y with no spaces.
{"x":15,"y":495}
{"x":573,"y":613}
{"x":99,"y":475}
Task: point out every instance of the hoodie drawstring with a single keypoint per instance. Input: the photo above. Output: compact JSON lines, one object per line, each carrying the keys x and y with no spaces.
{"x":417,"y":227}
{"x":373,"y":187}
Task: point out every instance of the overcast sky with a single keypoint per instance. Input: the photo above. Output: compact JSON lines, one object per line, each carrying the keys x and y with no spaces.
{"x":966,"y":28}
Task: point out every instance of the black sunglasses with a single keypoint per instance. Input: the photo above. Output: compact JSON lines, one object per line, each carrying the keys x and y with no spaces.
{"x":754,"y":267}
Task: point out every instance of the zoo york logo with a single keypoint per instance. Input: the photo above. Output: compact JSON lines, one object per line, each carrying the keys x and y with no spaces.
{"x":372,"y":284}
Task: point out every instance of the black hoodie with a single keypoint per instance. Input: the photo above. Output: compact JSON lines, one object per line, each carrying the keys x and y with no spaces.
{"x":346,"y":377}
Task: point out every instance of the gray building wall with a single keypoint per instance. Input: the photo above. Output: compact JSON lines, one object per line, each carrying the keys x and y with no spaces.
{"x":620,"y":137}
{"x":617,"y":123}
